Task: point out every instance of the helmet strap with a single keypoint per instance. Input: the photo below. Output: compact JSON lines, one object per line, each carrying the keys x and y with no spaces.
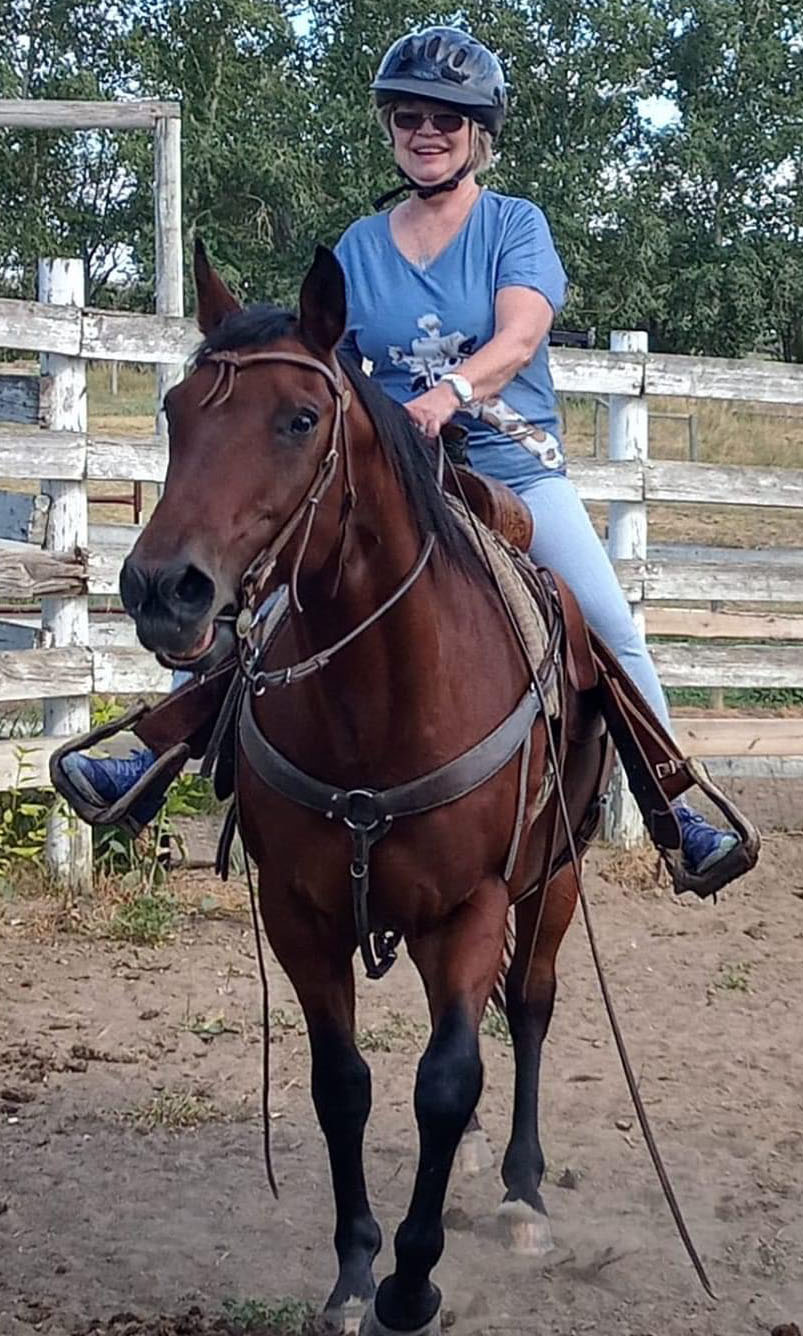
{"x":423,"y":192}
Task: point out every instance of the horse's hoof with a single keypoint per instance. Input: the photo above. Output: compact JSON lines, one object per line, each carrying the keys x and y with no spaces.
{"x":344,"y":1319}
{"x":474,"y":1154}
{"x":371,"y":1325}
{"x":525,"y":1230}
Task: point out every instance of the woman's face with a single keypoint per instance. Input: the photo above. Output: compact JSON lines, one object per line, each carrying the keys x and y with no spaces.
{"x":430,"y":153}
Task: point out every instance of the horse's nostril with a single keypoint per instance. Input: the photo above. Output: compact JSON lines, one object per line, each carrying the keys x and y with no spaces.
{"x":133,"y":585}
{"x":194,"y":588}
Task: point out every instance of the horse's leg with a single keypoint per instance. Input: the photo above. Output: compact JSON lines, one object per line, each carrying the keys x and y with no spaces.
{"x":458,"y":962}
{"x":529,"y":1001}
{"x":323,"y":978}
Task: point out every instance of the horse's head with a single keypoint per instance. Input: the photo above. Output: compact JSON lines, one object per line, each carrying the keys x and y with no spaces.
{"x":255,"y":442}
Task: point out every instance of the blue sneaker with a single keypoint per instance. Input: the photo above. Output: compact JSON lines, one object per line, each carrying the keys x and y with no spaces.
{"x":103,"y":781}
{"x":703,"y":845}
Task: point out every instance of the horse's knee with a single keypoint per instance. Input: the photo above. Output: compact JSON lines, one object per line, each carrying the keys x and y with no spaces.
{"x":341,"y":1081}
{"x":449,"y":1078}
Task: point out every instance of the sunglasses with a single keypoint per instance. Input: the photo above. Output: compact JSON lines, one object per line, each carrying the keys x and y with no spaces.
{"x":445,"y":122}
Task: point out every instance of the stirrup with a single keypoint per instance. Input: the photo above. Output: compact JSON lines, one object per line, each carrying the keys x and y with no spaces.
{"x":738,"y":860}
{"x":119,"y":813}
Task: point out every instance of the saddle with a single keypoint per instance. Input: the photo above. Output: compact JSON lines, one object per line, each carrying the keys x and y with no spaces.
{"x":198,"y":720}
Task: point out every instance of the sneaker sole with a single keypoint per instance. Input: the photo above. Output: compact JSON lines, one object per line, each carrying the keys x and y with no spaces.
{"x":81,"y":784}
{"x":727,"y":843}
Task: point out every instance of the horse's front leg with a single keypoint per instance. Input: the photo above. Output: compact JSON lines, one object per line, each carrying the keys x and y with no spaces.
{"x":458,"y":962}
{"x":319,"y":967}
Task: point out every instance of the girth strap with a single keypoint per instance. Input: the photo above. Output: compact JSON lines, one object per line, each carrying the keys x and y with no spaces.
{"x":369,"y":813}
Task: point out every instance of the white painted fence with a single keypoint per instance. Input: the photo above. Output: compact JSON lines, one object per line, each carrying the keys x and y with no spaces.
{"x":61,"y":288}
{"x":111,"y":663}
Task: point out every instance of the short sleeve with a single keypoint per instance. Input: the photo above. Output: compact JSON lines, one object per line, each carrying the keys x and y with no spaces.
{"x":528,"y":258}
{"x":348,"y":343}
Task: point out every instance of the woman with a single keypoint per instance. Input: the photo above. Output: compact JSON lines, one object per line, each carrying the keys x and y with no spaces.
{"x":451,"y":297}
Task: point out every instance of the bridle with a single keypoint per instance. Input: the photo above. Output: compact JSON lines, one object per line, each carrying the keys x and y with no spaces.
{"x":259,"y":570}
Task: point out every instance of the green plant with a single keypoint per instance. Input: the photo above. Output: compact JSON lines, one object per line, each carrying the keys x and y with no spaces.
{"x":397,"y":1032}
{"x":174,"y":1109}
{"x":495,"y":1025}
{"x":23,"y":824}
{"x":189,"y":795}
{"x":286,"y":1317}
{"x":735,"y":977}
{"x":146,"y":919}
{"x":105,"y":709}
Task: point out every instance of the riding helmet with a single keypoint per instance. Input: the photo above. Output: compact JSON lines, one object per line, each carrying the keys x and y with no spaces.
{"x":445,"y":65}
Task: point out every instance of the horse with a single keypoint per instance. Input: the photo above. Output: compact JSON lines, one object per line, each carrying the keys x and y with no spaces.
{"x":289,"y":467}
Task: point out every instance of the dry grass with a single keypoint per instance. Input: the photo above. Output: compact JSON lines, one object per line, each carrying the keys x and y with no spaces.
{"x":729,"y":433}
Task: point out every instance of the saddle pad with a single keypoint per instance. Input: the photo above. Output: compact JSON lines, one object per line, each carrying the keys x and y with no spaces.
{"x":492,"y":547}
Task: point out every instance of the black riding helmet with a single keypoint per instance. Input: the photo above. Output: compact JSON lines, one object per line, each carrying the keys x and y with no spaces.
{"x":445,"y":65}
{"x":442,"y":65}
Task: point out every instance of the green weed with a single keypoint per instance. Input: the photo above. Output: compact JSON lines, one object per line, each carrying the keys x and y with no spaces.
{"x":286,"y":1317}
{"x":494,"y":1024}
{"x":147,"y":919}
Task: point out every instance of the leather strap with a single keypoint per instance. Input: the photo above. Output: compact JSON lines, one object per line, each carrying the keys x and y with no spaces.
{"x":441,"y":786}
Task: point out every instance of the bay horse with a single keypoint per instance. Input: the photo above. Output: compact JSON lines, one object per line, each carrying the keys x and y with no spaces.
{"x":290,"y":467}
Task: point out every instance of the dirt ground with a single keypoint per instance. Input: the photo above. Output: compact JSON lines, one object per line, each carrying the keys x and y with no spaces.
{"x":113,"y":1213}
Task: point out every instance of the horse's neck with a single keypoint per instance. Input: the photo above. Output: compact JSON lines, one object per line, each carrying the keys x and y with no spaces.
{"x":415,"y":688}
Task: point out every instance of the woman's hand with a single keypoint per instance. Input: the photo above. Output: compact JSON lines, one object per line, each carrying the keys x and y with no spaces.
{"x":431,"y":411}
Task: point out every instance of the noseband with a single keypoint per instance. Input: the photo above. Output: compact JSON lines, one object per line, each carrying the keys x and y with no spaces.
{"x":260,"y":569}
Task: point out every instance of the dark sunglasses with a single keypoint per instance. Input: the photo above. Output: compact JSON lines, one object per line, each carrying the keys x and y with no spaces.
{"x":445,"y":122}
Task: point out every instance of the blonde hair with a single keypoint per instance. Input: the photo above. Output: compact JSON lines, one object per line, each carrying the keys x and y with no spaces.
{"x":481,"y":149}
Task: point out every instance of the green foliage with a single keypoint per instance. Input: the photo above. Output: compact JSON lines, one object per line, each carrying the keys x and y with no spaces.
{"x":287,"y":1317}
{"x":147,"y":919}
{"x":23,"y":827}
{"x":691,"y":229}
{"x":495,"y":1025}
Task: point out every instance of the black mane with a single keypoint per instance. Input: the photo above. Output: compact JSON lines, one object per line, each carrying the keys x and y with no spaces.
{"x":411,"y":457}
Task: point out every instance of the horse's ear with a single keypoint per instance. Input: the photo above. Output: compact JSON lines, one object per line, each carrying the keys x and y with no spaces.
{"x":215,"y":301}
{"x":323,"y":302}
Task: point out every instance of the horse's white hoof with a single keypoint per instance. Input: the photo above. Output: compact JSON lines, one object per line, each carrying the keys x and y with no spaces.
{"x":371,"y":1326}
{"x":525,"y":1230}
{"x":474,"y":1154}
{"x":346,"y":1319}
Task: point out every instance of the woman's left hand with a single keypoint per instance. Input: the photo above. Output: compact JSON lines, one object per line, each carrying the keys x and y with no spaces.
{"x":431,"y":411}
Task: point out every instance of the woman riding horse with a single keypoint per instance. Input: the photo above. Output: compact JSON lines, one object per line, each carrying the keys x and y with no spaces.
{"x":413,"y":721}
{"x":451,"y":296}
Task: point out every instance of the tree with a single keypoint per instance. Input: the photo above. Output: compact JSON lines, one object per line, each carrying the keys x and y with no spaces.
{"x":726,"y":177}
{"x":61,"y":193}
{"x":250,"y":181}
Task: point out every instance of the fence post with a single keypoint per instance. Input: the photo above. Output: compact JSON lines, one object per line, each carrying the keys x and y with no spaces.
{"x":68,"y":848}
{"x":627,"y":537}
{"x":169,"y":252}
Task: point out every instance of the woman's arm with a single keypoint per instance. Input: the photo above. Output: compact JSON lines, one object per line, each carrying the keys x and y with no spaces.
{"x":523,"y":318}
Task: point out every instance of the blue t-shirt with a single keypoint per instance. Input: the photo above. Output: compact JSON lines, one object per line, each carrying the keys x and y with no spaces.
{"x":416,"y":323}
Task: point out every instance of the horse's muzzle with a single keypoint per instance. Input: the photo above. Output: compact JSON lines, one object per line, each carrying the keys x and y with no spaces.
{"x":173,"y":608}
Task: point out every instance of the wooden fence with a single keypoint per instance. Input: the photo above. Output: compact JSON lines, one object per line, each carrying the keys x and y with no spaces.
{"x":739,"y":647}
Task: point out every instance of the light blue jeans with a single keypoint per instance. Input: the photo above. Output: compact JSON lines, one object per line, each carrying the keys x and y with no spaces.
{"x":566,"y":541}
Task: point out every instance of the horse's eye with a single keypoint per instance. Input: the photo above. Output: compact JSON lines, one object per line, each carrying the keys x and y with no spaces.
{"x":304,"y":423}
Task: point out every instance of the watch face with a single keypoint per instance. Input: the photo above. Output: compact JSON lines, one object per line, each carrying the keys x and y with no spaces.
{"x":461,"y":386}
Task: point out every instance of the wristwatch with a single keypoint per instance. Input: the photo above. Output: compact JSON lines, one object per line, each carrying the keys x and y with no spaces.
{"x":463,"y":388}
